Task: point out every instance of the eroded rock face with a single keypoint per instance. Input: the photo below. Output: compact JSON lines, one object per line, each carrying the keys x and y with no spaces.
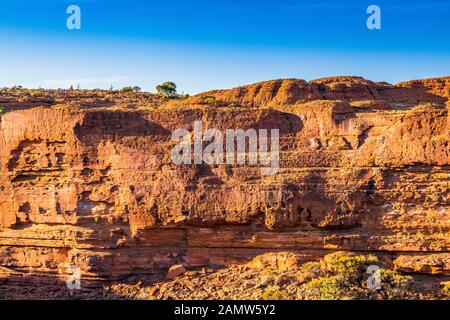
{"x":364,"y":166}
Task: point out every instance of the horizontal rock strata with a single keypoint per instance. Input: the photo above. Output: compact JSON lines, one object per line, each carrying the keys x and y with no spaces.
{"x":364,"y":166}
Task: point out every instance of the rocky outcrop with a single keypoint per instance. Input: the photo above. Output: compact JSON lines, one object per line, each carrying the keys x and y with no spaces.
{"x":364,"y":166}
{"x":287,"y":92}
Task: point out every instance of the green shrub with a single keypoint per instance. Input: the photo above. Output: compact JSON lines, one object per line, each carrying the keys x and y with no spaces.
{"x":342,"y":275}
{"x":309,"y":271}
{"x":209,"y":100}
{"x":3,"y":110}
{"x":348,"y":266}
{"x":127,"y":89}
{"x":273,"y":293}
{"x":394,"y":285}
{"x":392,"y":278}
{"x":324,"y":288}
{"x":131,"y":89}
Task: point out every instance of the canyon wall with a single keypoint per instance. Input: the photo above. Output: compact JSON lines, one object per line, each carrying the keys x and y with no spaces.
{"x":364,"y":166}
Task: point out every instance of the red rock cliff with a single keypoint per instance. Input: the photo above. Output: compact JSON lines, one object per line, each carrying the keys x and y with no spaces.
{"x":89,"y":181}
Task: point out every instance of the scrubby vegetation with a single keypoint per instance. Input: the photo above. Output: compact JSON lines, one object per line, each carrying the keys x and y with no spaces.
{"x":326,"y":288}
{"x":337,"y":276}
{"x":273,"y":293}
{"x":343,"y":276}
{"x":446,"y":289}
{"x":131,"y":89}
{"x":209,"y":100}
{"x":3,"y":110}
{"x":128,"y":98}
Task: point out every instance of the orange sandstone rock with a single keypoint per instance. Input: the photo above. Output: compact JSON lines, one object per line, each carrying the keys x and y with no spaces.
{"x":175,"y":271}
{"x":86,"y":178}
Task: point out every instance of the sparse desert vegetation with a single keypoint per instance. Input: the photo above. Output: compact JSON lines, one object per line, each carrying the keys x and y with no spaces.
{"x":337,"y":276}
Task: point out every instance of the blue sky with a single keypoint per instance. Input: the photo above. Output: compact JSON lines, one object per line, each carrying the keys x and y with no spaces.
{"x":211,"y":44}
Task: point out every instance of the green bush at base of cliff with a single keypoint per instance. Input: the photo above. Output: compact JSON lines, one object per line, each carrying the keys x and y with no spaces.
{"x":325,"y":288}
{"x":273,"y":293}
{"x":343,"y":276}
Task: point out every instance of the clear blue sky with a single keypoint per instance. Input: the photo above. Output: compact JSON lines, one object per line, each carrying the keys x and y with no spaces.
{"x":210,"y":44}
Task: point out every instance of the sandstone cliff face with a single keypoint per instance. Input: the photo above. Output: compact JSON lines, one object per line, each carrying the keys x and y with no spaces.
{"x":364,"y":166}
{"x":285,"y":92}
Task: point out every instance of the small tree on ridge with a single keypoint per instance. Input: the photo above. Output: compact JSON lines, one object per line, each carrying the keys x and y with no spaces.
{"x":167,"y":89}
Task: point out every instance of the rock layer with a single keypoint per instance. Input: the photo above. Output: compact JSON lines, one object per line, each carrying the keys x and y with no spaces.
{"x":364,"y":166}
